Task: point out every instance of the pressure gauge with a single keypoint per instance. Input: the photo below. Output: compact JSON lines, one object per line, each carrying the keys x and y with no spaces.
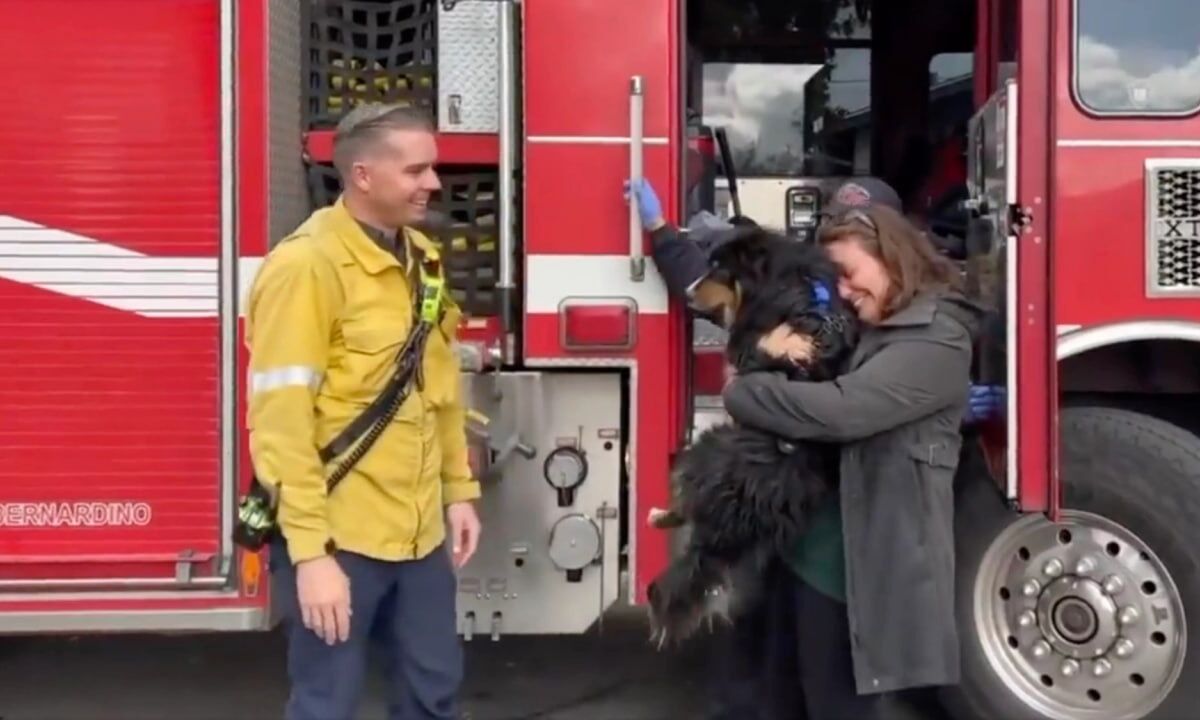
{"x":565,"y":470}
{"x":575,"y":543}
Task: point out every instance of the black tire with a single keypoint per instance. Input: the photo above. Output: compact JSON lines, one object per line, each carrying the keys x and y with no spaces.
{"x":1135,"y":470}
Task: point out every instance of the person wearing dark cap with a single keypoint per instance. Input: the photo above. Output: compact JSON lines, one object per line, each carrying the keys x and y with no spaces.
{"x":681,"y":254}
{"x":862,"y":192}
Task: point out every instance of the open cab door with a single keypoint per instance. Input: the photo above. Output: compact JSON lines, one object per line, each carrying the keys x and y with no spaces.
{"x":1008,"y":252}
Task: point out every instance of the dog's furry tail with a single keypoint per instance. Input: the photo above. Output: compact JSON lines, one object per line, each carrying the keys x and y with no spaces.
{"x":680,"y":597}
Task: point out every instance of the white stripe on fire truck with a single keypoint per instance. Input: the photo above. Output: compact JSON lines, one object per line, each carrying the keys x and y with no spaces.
{"x":8,"y":222}
{"x":550,"y":279}
{"x":1117,"y":143}
{"x":187,"y":287}
{"x":83,"y":267}
{"x":591,"y":139}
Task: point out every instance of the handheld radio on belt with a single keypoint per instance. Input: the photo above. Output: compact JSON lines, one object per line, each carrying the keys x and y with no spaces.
{"x":258,"y":509}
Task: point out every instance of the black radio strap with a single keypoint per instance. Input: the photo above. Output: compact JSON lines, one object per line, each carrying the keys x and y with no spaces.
{"x":427,"y":304}
{"x":385,"y":405}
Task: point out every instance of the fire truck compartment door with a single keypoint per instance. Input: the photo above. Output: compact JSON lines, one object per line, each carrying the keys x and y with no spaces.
{"x":593,"y":118}
{"x":602,"y":83}
{"x":115,"y":447}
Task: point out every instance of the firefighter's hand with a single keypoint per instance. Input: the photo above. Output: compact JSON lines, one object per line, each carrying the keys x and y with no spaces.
{"x":782,"y":342}
{"x":648,"y":207}
{"x":324,"y":592}
{"x":464,"y":531}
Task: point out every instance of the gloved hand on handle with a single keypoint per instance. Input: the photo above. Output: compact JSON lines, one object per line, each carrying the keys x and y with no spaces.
{"x":648,"y":207}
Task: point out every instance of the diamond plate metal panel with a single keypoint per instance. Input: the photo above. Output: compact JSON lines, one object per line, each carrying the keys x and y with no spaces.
{"x":1173,"y":209}
{"x":468,"y":87}
{"x":287,"y":200}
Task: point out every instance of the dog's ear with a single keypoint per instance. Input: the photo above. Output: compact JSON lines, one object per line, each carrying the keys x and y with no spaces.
{"x":715,"y":299}
{"x":745,"y":260}
{"x":737,"y":247}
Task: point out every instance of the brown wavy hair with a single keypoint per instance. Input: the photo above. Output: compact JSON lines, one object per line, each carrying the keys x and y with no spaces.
{"x":913,"y":265}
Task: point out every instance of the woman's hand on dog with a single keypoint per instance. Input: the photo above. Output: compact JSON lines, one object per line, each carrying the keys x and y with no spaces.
{"x":783,"y":342}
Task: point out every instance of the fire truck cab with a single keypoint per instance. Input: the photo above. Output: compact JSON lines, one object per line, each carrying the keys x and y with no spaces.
{"x":161,"y":147}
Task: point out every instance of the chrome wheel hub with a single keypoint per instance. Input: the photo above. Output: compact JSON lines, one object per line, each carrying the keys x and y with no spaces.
{"x":1079,"y":618}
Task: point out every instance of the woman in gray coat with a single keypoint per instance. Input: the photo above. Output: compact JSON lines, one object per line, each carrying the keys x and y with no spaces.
{"x":870,"y":595}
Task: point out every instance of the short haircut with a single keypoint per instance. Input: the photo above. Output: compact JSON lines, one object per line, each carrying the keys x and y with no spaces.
{"x":366,"y":124}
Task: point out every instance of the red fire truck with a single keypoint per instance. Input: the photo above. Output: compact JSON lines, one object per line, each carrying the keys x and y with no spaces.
{"x":155,"y":149}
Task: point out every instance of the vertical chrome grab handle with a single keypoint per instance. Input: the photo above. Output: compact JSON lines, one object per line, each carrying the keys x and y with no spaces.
{"x":506,"y":242}
{"x":637,"y":260}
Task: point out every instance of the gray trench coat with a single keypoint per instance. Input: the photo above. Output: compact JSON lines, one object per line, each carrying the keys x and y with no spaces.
{"x":897,"y":412}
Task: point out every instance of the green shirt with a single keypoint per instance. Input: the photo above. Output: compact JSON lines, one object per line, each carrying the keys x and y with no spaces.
{"x":819,"y":557}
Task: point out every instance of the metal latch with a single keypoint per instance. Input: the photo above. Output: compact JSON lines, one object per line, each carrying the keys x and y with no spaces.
{"x":1019,"y":218}
{"x":501,"y":449}
{"x":476,"y":357}
{"x":183,"y":566}
{"x":449,"y":5}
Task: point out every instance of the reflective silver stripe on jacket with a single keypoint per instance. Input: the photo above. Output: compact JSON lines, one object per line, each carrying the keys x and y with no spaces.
{"x":287,"y":376}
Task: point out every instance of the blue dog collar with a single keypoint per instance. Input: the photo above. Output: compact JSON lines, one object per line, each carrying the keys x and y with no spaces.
{"x":820,"y":294}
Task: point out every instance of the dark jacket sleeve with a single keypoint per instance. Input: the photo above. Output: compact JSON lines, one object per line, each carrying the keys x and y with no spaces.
{"x":680,"y":261}
{"x":906,"y":380}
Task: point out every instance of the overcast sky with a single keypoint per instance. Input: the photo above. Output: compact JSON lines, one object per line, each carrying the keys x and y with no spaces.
{"x":1140,"y":54}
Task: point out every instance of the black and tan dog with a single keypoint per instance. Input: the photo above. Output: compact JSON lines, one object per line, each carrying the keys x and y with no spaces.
{"x":745,"y":493}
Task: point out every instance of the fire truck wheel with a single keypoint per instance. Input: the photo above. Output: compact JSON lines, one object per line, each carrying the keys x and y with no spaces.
{"x":1086,"y":617}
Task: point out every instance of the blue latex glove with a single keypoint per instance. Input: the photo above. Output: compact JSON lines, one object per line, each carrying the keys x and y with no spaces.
{"x":985,"y":402}
{"x":648,"y":207}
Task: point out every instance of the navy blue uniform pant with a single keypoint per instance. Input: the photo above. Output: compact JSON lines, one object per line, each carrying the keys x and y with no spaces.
{"x":409,"y":608}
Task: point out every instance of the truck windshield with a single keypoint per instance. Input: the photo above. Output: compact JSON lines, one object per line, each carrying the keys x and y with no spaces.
{"x":790,"y":120}
{"x":1137,"y":58}
{"x":776,"y":114}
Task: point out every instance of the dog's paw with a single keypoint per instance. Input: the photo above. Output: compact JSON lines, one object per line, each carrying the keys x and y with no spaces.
{"x":673,"y":619}
{"x":663,"y":519}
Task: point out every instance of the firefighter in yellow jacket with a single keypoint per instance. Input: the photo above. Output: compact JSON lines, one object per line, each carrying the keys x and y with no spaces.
{"x":328,"y":315}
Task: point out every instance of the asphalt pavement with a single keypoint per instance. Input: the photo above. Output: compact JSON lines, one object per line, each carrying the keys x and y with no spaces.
{"x":614,"y":675}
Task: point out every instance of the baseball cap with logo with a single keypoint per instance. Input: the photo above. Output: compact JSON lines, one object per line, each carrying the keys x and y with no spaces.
{"x":863,"y":192}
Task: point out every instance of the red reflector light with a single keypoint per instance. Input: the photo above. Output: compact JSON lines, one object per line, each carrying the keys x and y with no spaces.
{"x":709,"y":371}
{"x":587,"y":325}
